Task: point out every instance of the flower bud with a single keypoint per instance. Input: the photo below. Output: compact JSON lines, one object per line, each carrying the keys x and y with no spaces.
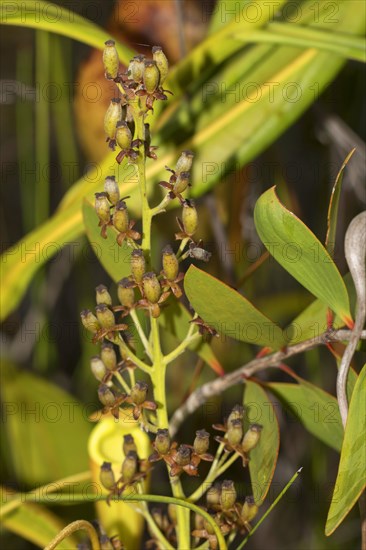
{"x":103,"y":296}
{"x":213,"y":496}
{"x":98,"y":368}
{"x":138,"y":265}
{"x":112,"y":116}
{"x":106,"y":396}
{"x":184,"y":163}
{"x":129,"y":467}
{"x":183,"y":456}
{"x":249,"y":510}
{"x":128,"y":444}
{"x":105,"y":543}
{"x":151,"y":76}
{"x":228,"y":495}
{"x":126,"y":293}
{"x":89,"y":320}
{"x":251,"y":438}
{"x":108,"y":356}
{"x":201,"y":442}
{"x":139,"y":393}
{"x":162,"y":441}
{"x":236,"y":413}
{"x":182,"y":182}
{"x":120,"y":218}
{"x":110,"y":59}
{"x":106,"y":476}
{"x":123,"y":135}
{"x":105,"y":316}
{"x":102,"y":207}
{"x":112,"y":189}
{"x":151,"y":287}
{"x":161,"y":60}
{"x":170,"y":263}
{"x":189,"y":218}
{"x":234,"y":432}
{"x":136,"y":68}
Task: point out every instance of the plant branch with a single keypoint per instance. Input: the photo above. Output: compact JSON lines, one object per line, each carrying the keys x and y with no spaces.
{"x":217,"y":386}
{"x":70,"y":529}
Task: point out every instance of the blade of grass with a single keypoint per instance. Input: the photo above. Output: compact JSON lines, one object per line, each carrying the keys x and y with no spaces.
{"x":273,"y":505}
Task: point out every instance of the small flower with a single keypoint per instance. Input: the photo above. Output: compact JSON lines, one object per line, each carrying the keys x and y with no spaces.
{"x":189,"y":223}
{"x":123,"y":224}
{"x":112,"y":189}
{"x":161,"y":61}
{"x":102,"y":295}
{"x":128,"y":444}
{"x":106,"y":476}
{"x":102,"y":208}
{"x":125,"y":142}
{"x":110,"y":60}
{"x":248,"y":512}
{"x":107,"y":322}
{"x":170,"y":275}
{"x":177,"y":184}
{"x":138,"y":265}
{"x":251,"y":437}
{"x":89,"y":320}
{"x":112,"y":117}
{"x":153,"y":296}
{"x":110,"y":400}
{"x":151,"y":85}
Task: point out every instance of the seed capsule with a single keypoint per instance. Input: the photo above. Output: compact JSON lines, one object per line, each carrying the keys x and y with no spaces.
{"x":108,"y":356}
{"x":184,"y":163}
{"x":249,"y":510}
{"x":123,"y":135}
{"x":105,"y":316}
{"x":102,"y":207}
{"x":182,"y":182}
{"x":183,"y":456}
{"x":125,"y":292}
{"x":112,"y":116}
{"x":234,"y":433}
{"x":120,"y":217}
{"x":112,"y":189}
{"x":170,"y":264}
{"x":151,"y":76}
{"x":151,"y":287}
{"x":228,"y":495}
{"x":106,"y":396}
{"x":89,"y":320}
{"x":213,"y":496}
{"x":162,"y":442}
{"x":138,"y":265}
{"x":136,"y":68}
{"x":106,"y":476}
{"x":139,"y":393}
{"x":162,"y":62}
{"x":110,"y":59}
{"x":201,"y":442}
{"x":98,"y":368}
{"x":129,"y":467}
{"x":189,"y":218}
{"x":103,"y":296}
{"x":236,"y":413}
{"x":252,"y":437}
{"x":128,"y":444}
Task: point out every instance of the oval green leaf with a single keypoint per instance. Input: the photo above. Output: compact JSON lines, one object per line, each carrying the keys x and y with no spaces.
{"x":351,"y":478}
{"x":263,"y":458}
{"x":298,"y":250}
{"x":229,"y":312}
{"x":314,"y":408}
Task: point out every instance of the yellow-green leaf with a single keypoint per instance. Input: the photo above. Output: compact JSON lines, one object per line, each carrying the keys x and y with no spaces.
{"x":229,"y":312}
{"x":263,"y":458}
{"x":298,"y":250}
{"x":351,"y":477}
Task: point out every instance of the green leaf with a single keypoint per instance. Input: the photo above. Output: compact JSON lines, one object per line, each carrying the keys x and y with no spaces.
{"x":229,"y":312}
{"x":37,"y":525}
{"x":316,"y":409}
{"x":298,"y":250}
{"x":351,"y":478}
{"x":45,"y":431}
{"x":115,"y":259}
{"x":175,"y":320}
{"x":334,"y":206}
{"x":38,"y":14}
{"x":263,"y":458}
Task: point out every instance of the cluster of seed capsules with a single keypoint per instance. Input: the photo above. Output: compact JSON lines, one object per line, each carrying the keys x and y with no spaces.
{"x":221,"y":498}
{"x":144,"y":78}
